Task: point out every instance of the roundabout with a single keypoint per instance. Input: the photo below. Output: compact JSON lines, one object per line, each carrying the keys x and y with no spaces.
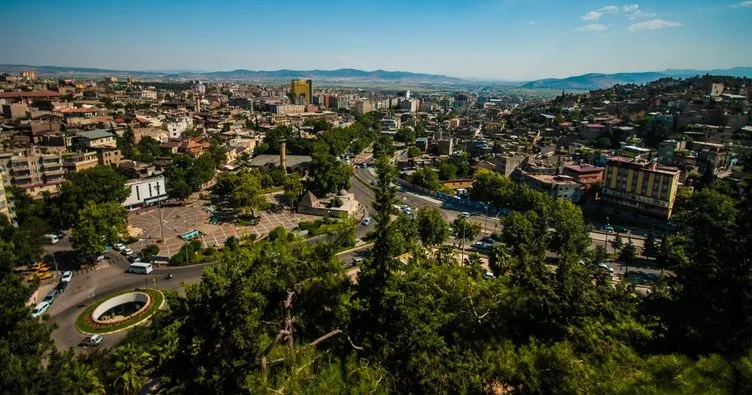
{"x":119,"y":311}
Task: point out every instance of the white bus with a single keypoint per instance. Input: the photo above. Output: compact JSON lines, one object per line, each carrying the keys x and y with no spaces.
{"x":140,"y":268}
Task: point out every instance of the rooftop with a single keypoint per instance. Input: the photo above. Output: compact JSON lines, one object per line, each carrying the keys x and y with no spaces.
{"x":290,"y":160}
{"x":8,"y":95}
{"x":96,"y":134}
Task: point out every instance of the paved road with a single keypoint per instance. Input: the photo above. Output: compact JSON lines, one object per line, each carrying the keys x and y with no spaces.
{"x":111,"y":277}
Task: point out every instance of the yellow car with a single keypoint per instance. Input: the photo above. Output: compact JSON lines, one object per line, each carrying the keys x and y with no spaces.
{"x":41,"y":276}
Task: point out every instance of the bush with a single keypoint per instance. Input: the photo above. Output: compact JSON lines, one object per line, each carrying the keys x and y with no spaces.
{"x":335,"y":202}
{"x":278,"y":233}
{"x":149,"y":251}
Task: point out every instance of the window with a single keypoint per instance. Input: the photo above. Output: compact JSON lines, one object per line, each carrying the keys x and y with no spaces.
{"x":150,"y":194}
{"x":138,"y":195}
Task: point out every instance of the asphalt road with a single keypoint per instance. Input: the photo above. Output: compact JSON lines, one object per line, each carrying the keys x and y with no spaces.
{"x":110,"y":277}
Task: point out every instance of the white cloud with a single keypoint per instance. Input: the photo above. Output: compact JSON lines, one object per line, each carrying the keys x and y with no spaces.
{"x":653,"y":24}
{"x":532,"y":22}
{"x":631,"y":8}
{"x":593,"y":27}
{"x":592,"y":16}
{"x":595,"y":15}
{"x":642,"y":14}
{"x":742,"y":4}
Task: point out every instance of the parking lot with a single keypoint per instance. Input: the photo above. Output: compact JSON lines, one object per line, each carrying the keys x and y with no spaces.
{"x":179,"y":220}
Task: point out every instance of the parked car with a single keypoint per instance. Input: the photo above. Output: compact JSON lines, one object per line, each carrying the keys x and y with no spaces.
{"x":606,"y":267}
{"x":40,"y":309}
{"x":40,"y":275}
{"x":61,"y":286}
{"x":607,"y":228}
{"x":366,"y":221}
{"x":488,"y":239}
{"x":126,"y":251}
{"x":92,"y":341}
{"x":482,"y":246}
{"x":51,"y":296}
{"x":67,"y":276}
{"x":621,"y":229}
{"x":489,"y":275}
{"x":119,"y":246}
{"x":464,"y":214}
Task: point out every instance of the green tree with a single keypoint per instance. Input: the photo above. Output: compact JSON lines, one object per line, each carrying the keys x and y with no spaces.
{"x":405,"y":135}
{"x":247,"y":194}
{"x":432,"y":228}
{"x":464,"y":229}
{"x":617,"y":243}
{"x":98,"y":224}
{"x":413,"y":152}
{"x":650,"y":247}
{"x":447,"y":171}
{"x":293,"y":188}
{"x":99,"y":184}
{"x":628,"y":254}
{"x":426,"y":178}
{"x":328,"y":174}
{"x":128,"y":369}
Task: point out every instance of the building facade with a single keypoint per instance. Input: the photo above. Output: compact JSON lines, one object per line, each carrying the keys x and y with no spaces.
{"x":585,"y":174}
{"x":145,"y":192}
{"x":6,"y":205}
{"x":301,"y":91}
{"x":36,"y":172}
{"x":556,"y":186}
{"x":79,"y":161}
{"x":643,"y":186}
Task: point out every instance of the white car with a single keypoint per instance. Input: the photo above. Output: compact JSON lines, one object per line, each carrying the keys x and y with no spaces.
{"x":67,"y":276}
{"x":126,"y":251}
{"x":40,"y":309}
{"x":606,"y":267}
{"x":464,"y":214}
{"x":119,"y":246}
{"x":366,"y":221}
{"x":93,"y":340}
{"x":489,"y":275}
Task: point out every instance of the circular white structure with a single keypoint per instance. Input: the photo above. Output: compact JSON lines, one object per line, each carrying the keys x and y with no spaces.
{"x":132,"y":297}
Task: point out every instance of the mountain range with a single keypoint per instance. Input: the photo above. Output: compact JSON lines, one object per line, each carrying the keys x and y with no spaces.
{"x":344,"y":76}
{"x":600,"y":81}
{"x":339,"y":75}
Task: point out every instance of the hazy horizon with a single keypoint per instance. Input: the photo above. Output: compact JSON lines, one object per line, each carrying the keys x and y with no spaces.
{"x":507,"y":40}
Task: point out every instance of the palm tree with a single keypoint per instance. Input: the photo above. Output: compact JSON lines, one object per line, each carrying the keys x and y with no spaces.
{"x":129,"y":369}
{"x":87,"y":379}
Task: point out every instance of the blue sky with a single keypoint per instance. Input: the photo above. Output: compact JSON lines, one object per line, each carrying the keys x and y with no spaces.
{"x":500,"y":39}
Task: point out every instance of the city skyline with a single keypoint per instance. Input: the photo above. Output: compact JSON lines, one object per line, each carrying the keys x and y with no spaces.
{"x":510,"y":40}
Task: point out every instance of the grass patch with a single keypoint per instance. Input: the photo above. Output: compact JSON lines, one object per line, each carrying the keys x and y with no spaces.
{"x":85,"y":324}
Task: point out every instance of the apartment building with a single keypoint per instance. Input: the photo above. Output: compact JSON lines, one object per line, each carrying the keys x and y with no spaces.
{"x":79,"y":161}
{"x":640,"y":185}
{"x":109,"y":156}
{"x":556,"y":186}
{"x":585,"y":174}
{"x":6,"y":205}
{"x":34,"y":171}
{"x":97,"y":138}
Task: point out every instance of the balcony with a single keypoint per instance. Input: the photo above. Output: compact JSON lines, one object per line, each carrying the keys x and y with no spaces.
{"x":53,"y":173}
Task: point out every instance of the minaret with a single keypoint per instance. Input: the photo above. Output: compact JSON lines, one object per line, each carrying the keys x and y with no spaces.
{"x":283,"y":154}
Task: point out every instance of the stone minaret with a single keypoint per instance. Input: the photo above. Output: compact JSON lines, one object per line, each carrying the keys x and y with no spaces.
{"x":283,"y":154}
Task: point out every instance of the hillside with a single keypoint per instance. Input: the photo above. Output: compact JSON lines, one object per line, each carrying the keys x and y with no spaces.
{"x":601,"y":81}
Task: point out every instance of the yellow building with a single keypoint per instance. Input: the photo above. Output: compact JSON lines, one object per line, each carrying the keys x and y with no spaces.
{"x":301,"y":91}
{"x":643,"y":186}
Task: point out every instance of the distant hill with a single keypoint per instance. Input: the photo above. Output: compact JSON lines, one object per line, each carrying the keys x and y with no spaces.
{"x":342,"y":75}
{"x":600,"y":81}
